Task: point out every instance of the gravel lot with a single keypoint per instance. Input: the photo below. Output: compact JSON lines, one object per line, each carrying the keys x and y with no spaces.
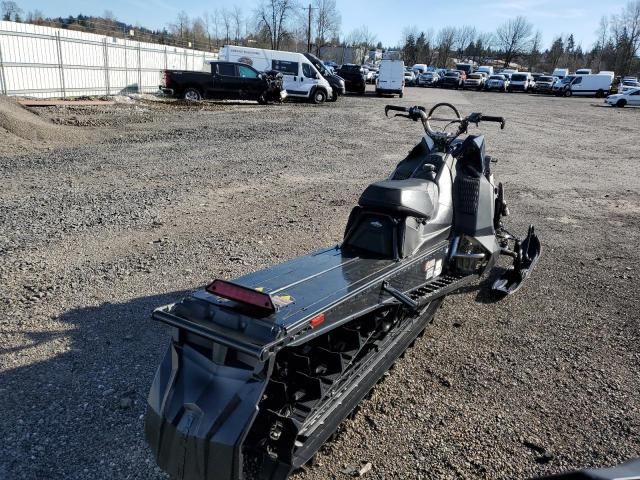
{"x":131,"y":212}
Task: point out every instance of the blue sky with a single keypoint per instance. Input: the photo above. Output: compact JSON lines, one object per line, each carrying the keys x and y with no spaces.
{"x":386,"y":18}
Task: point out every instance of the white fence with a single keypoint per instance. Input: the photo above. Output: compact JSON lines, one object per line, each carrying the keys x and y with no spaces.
{"x":47,"y":62}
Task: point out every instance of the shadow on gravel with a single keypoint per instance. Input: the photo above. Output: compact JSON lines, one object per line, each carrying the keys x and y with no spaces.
{"x":79,"y":414}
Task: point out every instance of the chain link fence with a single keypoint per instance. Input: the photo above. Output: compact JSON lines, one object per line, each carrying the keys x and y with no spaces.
{"x":46,"y":62}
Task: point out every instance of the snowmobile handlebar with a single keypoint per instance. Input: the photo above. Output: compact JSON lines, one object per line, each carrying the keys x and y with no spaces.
{"x":417,"y":112}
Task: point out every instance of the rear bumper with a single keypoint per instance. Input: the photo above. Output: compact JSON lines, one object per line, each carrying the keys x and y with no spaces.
{"x":388,"y":91}
{"x":198,"y":415}
{"x":167,"y":91}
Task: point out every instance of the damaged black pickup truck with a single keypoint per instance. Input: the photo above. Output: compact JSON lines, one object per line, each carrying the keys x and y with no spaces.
{"x":226,"y":80}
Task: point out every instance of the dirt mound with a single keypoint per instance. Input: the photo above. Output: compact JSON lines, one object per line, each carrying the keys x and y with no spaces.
{"x":22,"y":130}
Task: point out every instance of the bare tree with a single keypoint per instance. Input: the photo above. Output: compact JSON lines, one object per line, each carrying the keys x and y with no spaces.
{"x":445,"y":40}
{"x":603,"y":34}
{"x":513,"y":38}
{"x":237,"y":22}
{"x":272,"y":16}
{"x":206,"y":19}
{"x":626,"y":28}
{"x":534,"y":52}
{"x":327,"y":22}
{"x":464,"y":36}
{"x":215,"y":20}
{"x":10,"y":10}
{"x":363,"y":39}
{"x":226,"y":24}
{"x":555,"y":52}
{"x":181,"y":26}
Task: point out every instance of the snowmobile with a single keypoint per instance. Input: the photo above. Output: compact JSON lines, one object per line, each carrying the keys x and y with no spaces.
{"x":262,"y":370}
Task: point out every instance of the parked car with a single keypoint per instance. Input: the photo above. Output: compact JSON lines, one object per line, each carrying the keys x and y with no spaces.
{"x":419,"y":69}
{"x":226,"y":80}
{"x":409,"y":78}
{"x":560,"y":73}
{"x":452,"y":79}
{"x":301,"y":79}
{"x":630,"y":97}
{"x":390,"y":78}
{"x":467,"y":68}
{"x":521,"y":82}
{"x":475,"y":81}
{"x":486,"y":69}
{"x":336,"y":82}
{"x":371,"y":76}
{"x":354,"y":78}
{"x":497,"y":82}
{"x":563,"y":86}
{"x":428,"y":79}
{"x":544,"y":84}
{"x":628,"y":85}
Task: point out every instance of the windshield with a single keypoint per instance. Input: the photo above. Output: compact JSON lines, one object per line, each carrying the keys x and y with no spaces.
{"x":567,"y":79}
{"x":453,"y":74}
{"x":545,"y":79}
{"x":518,"y":78}
{"x":475,"y":76}
{"x":496,"y":77}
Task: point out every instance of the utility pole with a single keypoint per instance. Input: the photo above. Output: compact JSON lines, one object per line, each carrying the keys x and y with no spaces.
{"x":309,"y":32}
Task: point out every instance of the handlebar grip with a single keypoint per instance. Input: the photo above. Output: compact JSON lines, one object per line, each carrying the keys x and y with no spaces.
{"x":489,"y":118}
{"x":395,"y":109}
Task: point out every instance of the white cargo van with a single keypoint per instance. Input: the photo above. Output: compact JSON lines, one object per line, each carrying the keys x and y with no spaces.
{"x":301,"y":78}
{"x":595,"y":84}
{"x":486,"y":69}
{"x":390,"y":78}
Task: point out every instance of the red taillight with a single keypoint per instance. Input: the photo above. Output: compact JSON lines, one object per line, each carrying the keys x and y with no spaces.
{"x":242,"y":294}
{"x":317,"y":320}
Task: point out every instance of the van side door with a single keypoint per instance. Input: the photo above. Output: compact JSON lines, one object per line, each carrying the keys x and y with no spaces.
{"x":308,"y":80}
{"x":291,"y":78}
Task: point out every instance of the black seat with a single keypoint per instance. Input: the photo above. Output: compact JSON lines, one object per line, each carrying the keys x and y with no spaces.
{"x":414,"y":197}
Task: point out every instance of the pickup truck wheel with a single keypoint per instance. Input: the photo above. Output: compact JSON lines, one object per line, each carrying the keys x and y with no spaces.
{"x":192,"y":94}
{"x":319,"y":96}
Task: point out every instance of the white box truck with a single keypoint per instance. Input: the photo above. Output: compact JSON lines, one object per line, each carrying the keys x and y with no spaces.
{"x":390,"y":78}
{"x":595,"y":84}
{"x":301,"y":78}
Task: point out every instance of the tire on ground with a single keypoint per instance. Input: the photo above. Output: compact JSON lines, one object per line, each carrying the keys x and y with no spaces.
{"x":192,"y":94}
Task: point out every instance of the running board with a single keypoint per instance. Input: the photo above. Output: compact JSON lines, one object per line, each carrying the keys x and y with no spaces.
{"x":524,"y":262}
{"x":427,"y":298}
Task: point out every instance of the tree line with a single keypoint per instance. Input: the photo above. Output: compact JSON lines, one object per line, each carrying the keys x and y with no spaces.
{"x":277,"y":24}
{"x":516,"y":42}
{"x":290,"y":25}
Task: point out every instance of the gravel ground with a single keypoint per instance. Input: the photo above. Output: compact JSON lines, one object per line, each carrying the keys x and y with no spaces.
{"x":95,"y":234}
